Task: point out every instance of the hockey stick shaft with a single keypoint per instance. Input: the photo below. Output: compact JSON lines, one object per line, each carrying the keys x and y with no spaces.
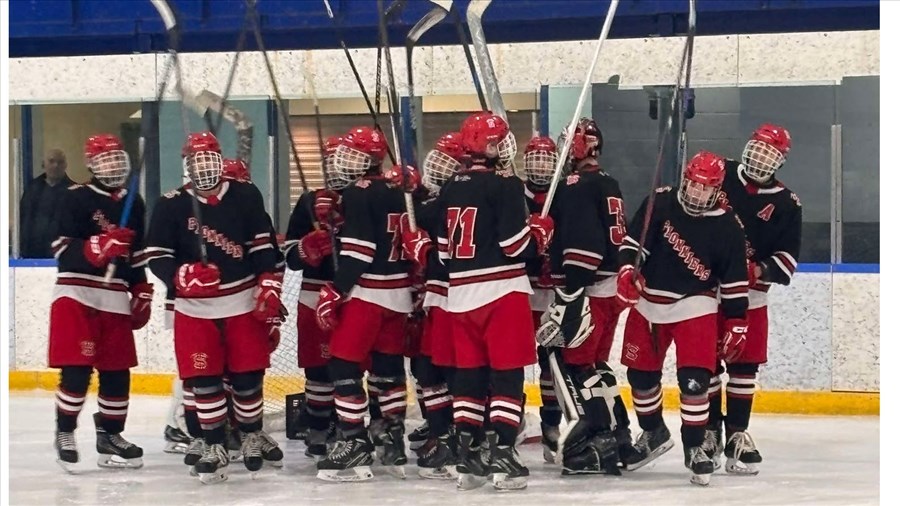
{"x":474,"y":19}
{"x":432,"y":18}
{"x":209,"y":101}
{"x":687,"y":92}
{"x":464,"y":40}
{"x":242,"y":40}
{"x":563,"y":155}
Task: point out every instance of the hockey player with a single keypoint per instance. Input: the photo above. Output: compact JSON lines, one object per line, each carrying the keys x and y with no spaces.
{"x":308,"y":247}
{"x":772,"y":218}
{"x":365,"y":310}
{"x":693,"y":248}
{"x":226,"y":307}
{"x":486,"y":235}
{"x":590,"y":226}
{"x":540,"y":161}
{"x":91,"y":321}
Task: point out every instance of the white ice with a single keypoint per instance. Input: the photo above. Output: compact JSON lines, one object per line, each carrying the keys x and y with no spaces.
{"x":807,"y":460}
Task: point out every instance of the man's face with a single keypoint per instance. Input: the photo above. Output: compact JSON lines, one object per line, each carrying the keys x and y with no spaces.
{"x":55,"y":164}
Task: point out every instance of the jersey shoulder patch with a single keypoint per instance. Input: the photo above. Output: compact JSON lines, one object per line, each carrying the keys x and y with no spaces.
{"x":171,"y":194}
{"x":796,"y":199}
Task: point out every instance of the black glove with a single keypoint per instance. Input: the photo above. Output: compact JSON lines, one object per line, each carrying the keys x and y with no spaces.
{"x":567,"y":322}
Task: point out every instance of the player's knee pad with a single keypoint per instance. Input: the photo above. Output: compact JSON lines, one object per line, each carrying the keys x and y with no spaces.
{"x":115,"y":383}
{"x":742,"y":369}
{"x":693,"y":381}
{"x":246,"y":383}
{"x":643,"y":380}
{"x":75,"y":378}
{"x":318,"y":374}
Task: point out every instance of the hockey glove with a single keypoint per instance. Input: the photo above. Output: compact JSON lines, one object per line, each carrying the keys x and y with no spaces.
{"x":416,"y":245}
{"x":100,"y":249}
{"x":628,"y":286}
{"x":197,"y":280}
{"x":269,"y":308}
{"x":541,"y":231}
{"x":327,"y":208}
{"x":141,"y":299}
{"x":734,"y":338}
{"x":314,"y":247}
{"x":326,"y":309}
{"x":407,"y":180}
{"x":567,"y":322}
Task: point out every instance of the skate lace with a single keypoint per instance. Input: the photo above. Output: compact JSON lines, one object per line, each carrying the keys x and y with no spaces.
{"x":643,"y":441}
{"x":66,"y":441}
{"x":213,"y":453}
{"x":709,"y":441}
{"x":266,"y":442}
{"x":698,"y":455}
{"x":197,"y":446}
{"x":118,"y":441}
{"x":341,"y":449}
{"x":252,"y":445}
{"x":743,"y":443}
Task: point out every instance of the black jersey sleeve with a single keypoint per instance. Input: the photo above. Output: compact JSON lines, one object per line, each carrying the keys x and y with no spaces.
{"x":299,"y":225}
{"x":628,"y":252}
{"x":780,"y":267}
{"x":162,"y":239}
{"x":357,"y":237}
{"x":71,"y":233}
{"x":136,"y":272}
{"x":579,"y":229}
{"x":259,"y":247}
{"x":513,"y":232}
{"x":730,"y":267}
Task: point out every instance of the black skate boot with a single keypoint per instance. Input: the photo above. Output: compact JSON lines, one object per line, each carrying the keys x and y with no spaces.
{"x":741,"y":455}
{"x":213,"y":465}
{"x":377,"y":428}
{"x":271,"y":452}
{"x":114,"y":451}
{"x":700,"y":465}
{"x":550,"y":442}
{"x":176,"y":440}
{"x":349,"y":460}
{"x":194,"y":452}
{"x":471,"y":468}
{"x":251,"y":450}
{"x":394,"y":456}
{"x":418,"y":437}
{"x":437,"y":460}
{"x":597,"y":455}
{"x":626,"y":449}
{"x":66,"y":450}
{"x":712,"y":445}
{"x":234,"y":443}
{"x":509,"y":473}
{"x":316,"y":444}
{"x":650,"y":445}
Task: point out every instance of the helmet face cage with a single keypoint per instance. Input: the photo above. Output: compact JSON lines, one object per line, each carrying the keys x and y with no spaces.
{"x":539,"y":166}
{"x":111,"y":168}
{"x":437,"y":168}
{"x":507,"y":149}
{"x":696,"y":197}
{"x":204,"y":168}
{"x":351,"y":163}
{"x":761,"y":160}
{"x":333,"y":179}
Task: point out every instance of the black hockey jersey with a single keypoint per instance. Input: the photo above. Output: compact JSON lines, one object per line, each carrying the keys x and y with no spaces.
{"x":485,"y":239}
{"x":687,"y":260}
{"x":589,"y":215}
{"x":301,"y":224}
{"x":88,"y":210}
{"x":239,"y":240}
{"x":541,"y":284}
{"x":772,"y":218}
{"x":371,"y":264}
{"x":428,"y":218}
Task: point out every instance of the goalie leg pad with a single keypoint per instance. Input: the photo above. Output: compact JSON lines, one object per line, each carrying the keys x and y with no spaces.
{"x":592,"y":395}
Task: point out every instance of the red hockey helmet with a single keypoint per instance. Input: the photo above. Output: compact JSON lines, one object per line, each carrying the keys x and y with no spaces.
{"x":361,"y":149}
{"x":107,"y":160}
{"x":486,"y":135}
{"x":236,"y":169}
{"x":587,"y":141}
{"x":333,"y":179}
{"x":540,"y":160}
{"x":202,"y":159}
{"x":700,"y":184}
{"x":443,"y":161}
{"x":765,"y":152}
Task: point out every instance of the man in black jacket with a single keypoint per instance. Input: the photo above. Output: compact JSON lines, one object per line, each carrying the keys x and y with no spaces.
{"x":38,"y":208}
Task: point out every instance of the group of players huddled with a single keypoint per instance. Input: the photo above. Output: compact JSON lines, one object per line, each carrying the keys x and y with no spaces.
{"x":475,"y":285}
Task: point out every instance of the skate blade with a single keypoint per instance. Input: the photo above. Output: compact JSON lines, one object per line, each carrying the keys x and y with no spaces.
{"x":359,"y":473}
{"x":193,"y":472}
{"x":173,"y":447}
{"x":278,"y":464}
{"x":549,"y":455}
{"x":504,"y":483}
{"x":468,"y":481}
{"x":438,"y":473}
{"x":68,"y":467}
{"x":415,"y":445}
{"x":234,"y":455}
{"x":113,"y":462}
{"x":213,"y":478}
{"x":738,"y":468}
{"x":397,"y":471}
{"x":655,"y":454}
{"x":700,"y":479}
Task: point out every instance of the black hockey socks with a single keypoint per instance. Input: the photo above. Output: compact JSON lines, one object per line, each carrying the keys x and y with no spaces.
{"x":438,"y":405}
{"x":551,"y":413}
{"x":209,"y":396}
{"x":506,"y":404}
{"x":350,"y":399}
{"x":389,"y":376}
{"x":191,"y":418}
{"x":113,"y":399}
{"x":469,"y":390}
{"x":319,"y":398}
{"x":715,"y":402}
{"x":739,"y":396}
{"x":73,"y":387}
{"x":693,"y":383}
{"x":247,"y":398}
{"x":646,"y":391}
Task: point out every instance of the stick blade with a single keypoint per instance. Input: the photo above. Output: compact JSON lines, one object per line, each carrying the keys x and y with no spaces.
{"x":432,"y":18}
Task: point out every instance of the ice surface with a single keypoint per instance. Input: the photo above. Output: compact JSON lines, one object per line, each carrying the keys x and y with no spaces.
{"x":807,"y":460}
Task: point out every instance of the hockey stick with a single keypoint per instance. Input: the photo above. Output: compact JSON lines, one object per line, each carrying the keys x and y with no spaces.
{"x":563,"y":155}
{"x":464,"y":40}
{"x":393,"y":109}
{"x":686,"y":92}
{"x":473,"y":18}
{"x":242,"y":39}
{"x":209,"y":101}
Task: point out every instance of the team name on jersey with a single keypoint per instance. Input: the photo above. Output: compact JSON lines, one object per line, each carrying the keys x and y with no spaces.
{"x":685,"y":252}
{"x":101,"y":220}
{"x":217,"y":239}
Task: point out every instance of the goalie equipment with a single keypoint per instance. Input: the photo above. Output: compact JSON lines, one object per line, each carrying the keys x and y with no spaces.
{"x":361,"y":149}
{"x":107,"y":160}
{"x":587,"y":142}
{"x":703,"y":177}
{"x":202,"y":160}
{"x":765,"y":152}
{"x":567,"y":322}
{"x":540,"y":160}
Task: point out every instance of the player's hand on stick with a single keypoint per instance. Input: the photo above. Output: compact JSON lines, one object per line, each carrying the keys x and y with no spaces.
{"x":141,"y":301}
{"x":541,"y":230}
{"x":628,"y":286}
{"x":327,"y":208}
{"x":416,"y":245}
{"x":407,"y":180}
{"x":326,"y":308}
{"x":197,"y":280}
{"x":100,"y":249}
{"x":314,"y":247}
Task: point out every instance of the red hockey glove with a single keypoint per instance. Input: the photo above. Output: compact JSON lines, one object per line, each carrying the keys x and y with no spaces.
{"x":734,"y":338}
{"x":753,"y":273}
{"x":313,"y":247}
{"x":407,"y":180}
{"x":197,"y":280}
{"x":326,"y":309}
{"x":100,"y":249}
{"x":628,"y":286}
{"x":541,"y":230}
{"x":141,"y":300}
{"x":416,"y":245}
{"x":269,"y":308}
{"x":327,"y":208}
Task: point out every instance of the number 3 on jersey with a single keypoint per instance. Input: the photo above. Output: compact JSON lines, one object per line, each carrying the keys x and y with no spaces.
{"x":462,"y":243}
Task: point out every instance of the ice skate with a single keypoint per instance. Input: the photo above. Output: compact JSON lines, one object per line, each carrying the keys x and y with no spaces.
{"x":251,"y":450}
{"x":471,"y":468}
{"x":437,"y":460}
{"x":213,"y":465}
{"x":394,"y":457}
{"x":233,"y":443}
{"x":194,"y":452}
{"x":66,"y":450}
{"x":700,"y":465}
{"x":712,"y":445}
{"x":176,"y":440}
{"x":316,"y":444}
{"x":271,"y":452}
{"x":377,"y":428}
{"x":550,"y":442}
{"x":509,"y":473}
{"x":741,"y":455}
{"x":116,"y":452}
{"x":650,"y":446}
{"x":627,"y":451}
{"x":350,"y":460}
{"x":418,"y":437}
